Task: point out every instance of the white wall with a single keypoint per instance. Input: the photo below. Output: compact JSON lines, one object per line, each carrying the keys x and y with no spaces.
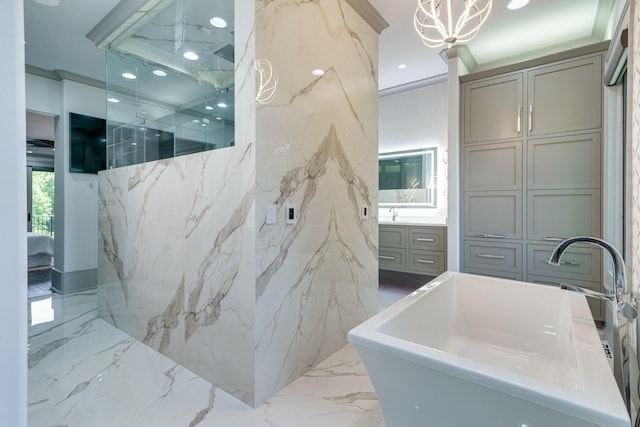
{"x":13,"y":221}
{"x":79,"y":191}
{"x":412,"y":119}
{"x":76,"y":194}
{"x":43,"y":95}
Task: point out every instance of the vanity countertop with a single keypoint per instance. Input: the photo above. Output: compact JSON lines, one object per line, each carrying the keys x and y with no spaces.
{"x":417,"y":222}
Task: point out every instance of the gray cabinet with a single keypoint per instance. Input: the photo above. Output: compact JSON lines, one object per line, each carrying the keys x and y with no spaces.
{"x":494,"y":108}
{"x":413,"y":248}
{"x":564,"y":162}
{"x":531,"y":176}
{"x":565,"y":97}
{"x":481,"y":173}
{"x":555,"y":215}
{"x":494,"y":215}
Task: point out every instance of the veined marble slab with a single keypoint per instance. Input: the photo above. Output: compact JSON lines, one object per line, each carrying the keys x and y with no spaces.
{"x":317,"y":149}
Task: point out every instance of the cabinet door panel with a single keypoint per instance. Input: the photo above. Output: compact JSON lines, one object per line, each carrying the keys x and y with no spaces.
{"x":493,"y":256}
{"x":496,"y":214}
{"x":393,"y":236}
{"x":565,"y":97}
{"x":493,"y":167}
{"x":566,"y":162}
{"x":426,"y":262}
{"x":576,"y":263}
{"x":392,"y":259}
{"x":556,"y":215}
{"x":428,"y":238}
{"x":493,"y":109}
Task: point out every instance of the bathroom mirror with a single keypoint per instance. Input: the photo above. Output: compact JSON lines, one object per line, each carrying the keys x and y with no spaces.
{"x":408,"y":178}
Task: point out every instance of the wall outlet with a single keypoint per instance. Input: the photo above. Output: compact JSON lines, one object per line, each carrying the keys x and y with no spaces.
{"x":290,"y":214}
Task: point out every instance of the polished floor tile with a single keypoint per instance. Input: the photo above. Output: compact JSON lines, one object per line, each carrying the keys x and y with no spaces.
{"x":84,"y":372}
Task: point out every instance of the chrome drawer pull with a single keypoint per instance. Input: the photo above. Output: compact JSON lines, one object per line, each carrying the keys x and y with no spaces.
{"x":490,"y":256}
{"x":492,"y":236}
{"x":390,"y":258}
{"x":554,"y":239}
{"x":423,"y":239}
{"x":425,"y":261}
{"x":570,"y":263}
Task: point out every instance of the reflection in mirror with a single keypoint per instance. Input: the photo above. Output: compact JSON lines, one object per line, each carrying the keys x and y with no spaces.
{"x":408,"y":178}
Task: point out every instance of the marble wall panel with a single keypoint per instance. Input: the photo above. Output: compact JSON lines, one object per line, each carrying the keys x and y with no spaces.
{"x":177,"y":246}
{"x":219,"y":293}
{"x":316,"y":149}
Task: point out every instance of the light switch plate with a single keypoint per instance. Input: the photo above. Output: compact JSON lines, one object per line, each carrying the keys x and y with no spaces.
{"x":271,"y":214}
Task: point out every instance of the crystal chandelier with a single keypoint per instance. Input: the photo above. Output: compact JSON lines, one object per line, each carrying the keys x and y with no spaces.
{"x":440,"y":22}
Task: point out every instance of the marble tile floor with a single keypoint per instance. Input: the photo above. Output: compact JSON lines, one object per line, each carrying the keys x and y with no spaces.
{"x":84,"y":372}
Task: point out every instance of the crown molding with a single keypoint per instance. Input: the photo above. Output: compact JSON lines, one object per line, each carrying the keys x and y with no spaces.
{"x":429,"y":81}
{"x":59,"y":75}
{"x":369,"y":14}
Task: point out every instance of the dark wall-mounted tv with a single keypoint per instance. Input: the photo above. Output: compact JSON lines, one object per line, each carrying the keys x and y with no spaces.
{"x":87,"y":143}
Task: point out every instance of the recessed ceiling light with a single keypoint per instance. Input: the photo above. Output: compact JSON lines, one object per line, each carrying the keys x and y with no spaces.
{"x":134,"y":143}
{"x":204,"y":124}
{"x":218,"y":118}
{"x":48,"y":2}
{"x":159,"y":73}
{"x":29,"y":152}
{"x":114,"y":100}
{"x":218,"y":22}
{"x":402,"y":66}
{"x":208,"y":107}
{"x":195,"y":121}
{"x":129,"y":76}
{"x":317,"y":72}
{"x":517,"y":4}
{"x":191,"y":56}
{"x":222,"y":105}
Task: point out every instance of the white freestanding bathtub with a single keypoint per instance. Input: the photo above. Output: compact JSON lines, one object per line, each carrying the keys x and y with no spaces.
{"x":474,"y":351}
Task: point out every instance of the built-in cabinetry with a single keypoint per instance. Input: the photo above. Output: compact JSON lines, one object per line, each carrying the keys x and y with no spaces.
{"x":416,"y":249}
{"x":531,"y":177}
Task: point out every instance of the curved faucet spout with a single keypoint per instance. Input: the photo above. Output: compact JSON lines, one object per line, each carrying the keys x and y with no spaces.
{"x":618,"y":262}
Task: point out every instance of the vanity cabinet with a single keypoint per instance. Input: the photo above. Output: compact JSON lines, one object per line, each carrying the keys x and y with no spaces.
{"x":531,"y":175}
{"x":415,"y":249}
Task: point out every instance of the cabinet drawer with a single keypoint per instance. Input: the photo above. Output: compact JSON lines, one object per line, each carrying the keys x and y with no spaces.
{"x":496,"y":214}
{"x":427,"y":262}
{"x":576,"y":263}
{"x":493,"y":167}
{"x":556,"y":215}
{"x":493,"y":256}
{"x":561,"y":163}
{"x":392,"y":236}
{"x":428,"y":238}
{"x":596,"y":305}
{"x":392,"y":259}
{"x":494,"y":273}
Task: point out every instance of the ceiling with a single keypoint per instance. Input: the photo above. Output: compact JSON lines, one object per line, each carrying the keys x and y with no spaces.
{"x":542,"y":27}
{"x":55,"y":36}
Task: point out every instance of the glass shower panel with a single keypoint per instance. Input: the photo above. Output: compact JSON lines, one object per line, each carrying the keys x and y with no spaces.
{"x":170,"y":83}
